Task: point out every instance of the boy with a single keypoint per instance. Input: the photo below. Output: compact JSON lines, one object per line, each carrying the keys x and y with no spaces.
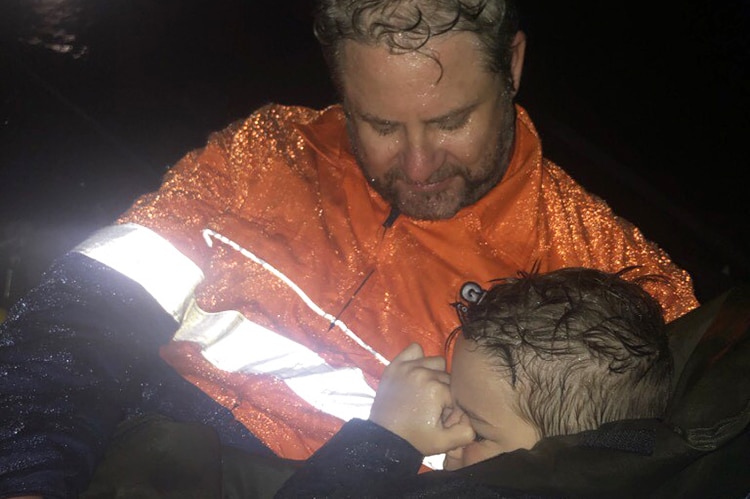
{"x":536,"y":356}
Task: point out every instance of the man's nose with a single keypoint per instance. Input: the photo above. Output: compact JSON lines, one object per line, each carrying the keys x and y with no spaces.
{"x":421,"y":158}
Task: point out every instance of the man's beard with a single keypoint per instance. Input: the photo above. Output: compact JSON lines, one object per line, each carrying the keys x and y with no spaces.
{"x":445,"y":204}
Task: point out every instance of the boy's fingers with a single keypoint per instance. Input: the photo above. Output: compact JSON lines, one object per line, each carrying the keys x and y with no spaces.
{"x":453,"y":415}
{"x":444,"y":378}
{"x":444,"y":438}
{"x":413,"y":356}
{"x":412,"y":352}
{"x":458,"y":436}
{"x":435,"y":363}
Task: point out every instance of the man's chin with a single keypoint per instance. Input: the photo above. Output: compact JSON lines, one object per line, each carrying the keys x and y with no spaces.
{"x":430,"y":203}
{"x":428,"y":209}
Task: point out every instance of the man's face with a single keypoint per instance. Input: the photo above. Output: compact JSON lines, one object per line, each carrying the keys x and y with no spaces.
{"x":483,"y":394}
{"x":430,"y":140}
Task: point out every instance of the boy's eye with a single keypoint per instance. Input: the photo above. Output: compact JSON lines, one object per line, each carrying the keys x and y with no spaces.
{"x":479,"y":438}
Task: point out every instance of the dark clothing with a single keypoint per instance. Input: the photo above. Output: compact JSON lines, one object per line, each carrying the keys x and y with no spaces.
{"x":154,"y":457}
{"x":77,"y":354}
{"x":627,"y":459}
{"x":365,"y":460}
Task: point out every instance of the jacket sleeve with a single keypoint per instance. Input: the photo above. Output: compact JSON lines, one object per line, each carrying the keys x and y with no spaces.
{"x":368,"y":461}
{"x":81,"y":351}
{"x":74,"y":360}
{"x":201,"y":186}
{"x":229,"y":175}
{"x":588,"y":233}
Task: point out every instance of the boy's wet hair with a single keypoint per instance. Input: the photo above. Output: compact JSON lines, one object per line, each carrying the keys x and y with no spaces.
{"x":581,"y":347}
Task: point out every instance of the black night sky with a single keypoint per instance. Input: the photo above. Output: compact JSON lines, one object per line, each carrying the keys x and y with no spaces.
{"x":646,"y":107}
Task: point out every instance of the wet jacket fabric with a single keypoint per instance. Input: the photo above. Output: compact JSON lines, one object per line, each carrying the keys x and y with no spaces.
{"x":263,"y":288}
{"x":281,"y":194}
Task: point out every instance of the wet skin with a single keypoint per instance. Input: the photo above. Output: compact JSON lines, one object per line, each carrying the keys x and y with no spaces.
{"x":431,"y":138}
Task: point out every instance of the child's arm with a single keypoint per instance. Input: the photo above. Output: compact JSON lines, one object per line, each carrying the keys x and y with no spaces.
{"x":381,"y":457}
{"x":414,"y":402}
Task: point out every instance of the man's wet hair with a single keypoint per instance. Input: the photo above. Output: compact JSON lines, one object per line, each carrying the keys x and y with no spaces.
{"x":580,"y":347}
{"x":407,"y":25}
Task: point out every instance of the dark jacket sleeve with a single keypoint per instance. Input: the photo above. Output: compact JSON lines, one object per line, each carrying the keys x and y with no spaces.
{"x":79,"y":354}
{"x":365,"y":460}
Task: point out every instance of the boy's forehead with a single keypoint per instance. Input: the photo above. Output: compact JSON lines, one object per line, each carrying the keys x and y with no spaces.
{"x":483,"y":391}
{"x":473,"y":371}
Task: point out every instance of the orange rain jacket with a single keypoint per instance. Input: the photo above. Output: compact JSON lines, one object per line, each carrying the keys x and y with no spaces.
{"x":284,"y":185}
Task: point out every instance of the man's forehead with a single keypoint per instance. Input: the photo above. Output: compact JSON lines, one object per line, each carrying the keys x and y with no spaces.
{"x":357,"y":56}
{"x":380,"y":86}
{"x":462,"y":44}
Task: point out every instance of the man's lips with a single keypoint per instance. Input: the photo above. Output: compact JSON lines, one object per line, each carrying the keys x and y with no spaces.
{"x":427,"y":186}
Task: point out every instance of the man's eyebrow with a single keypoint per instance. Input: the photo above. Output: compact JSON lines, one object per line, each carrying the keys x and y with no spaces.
{"x":370,"y":118}
{"x":453,"y":113}
{"x":373,"y":119}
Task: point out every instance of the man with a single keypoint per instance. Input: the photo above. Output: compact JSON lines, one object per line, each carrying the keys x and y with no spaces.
{"x":537,"y":356}
{"x":280,"y":267}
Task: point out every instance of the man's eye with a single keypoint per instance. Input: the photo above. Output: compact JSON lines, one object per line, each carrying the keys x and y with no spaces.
{"x":384,"y":128}
{"x":453,"y":123}
{"x":478,"y":438}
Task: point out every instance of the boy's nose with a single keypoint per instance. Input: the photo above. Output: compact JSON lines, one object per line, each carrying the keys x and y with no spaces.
{"x":454,"y":459}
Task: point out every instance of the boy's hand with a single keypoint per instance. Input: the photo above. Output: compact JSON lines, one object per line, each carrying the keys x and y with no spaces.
{"x":414,"y":400}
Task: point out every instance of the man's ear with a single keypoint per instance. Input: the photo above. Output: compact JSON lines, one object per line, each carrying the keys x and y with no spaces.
{"x":518,"y":50}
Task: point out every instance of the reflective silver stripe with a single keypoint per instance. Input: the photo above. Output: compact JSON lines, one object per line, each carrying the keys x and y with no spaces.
{"x":208,"y":234}
{"x":231,"y":342}
{"x":238,"y":345}
{"x":150,"y":260}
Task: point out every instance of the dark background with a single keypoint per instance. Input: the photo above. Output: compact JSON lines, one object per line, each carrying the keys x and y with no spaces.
{"x":646,"y":107}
